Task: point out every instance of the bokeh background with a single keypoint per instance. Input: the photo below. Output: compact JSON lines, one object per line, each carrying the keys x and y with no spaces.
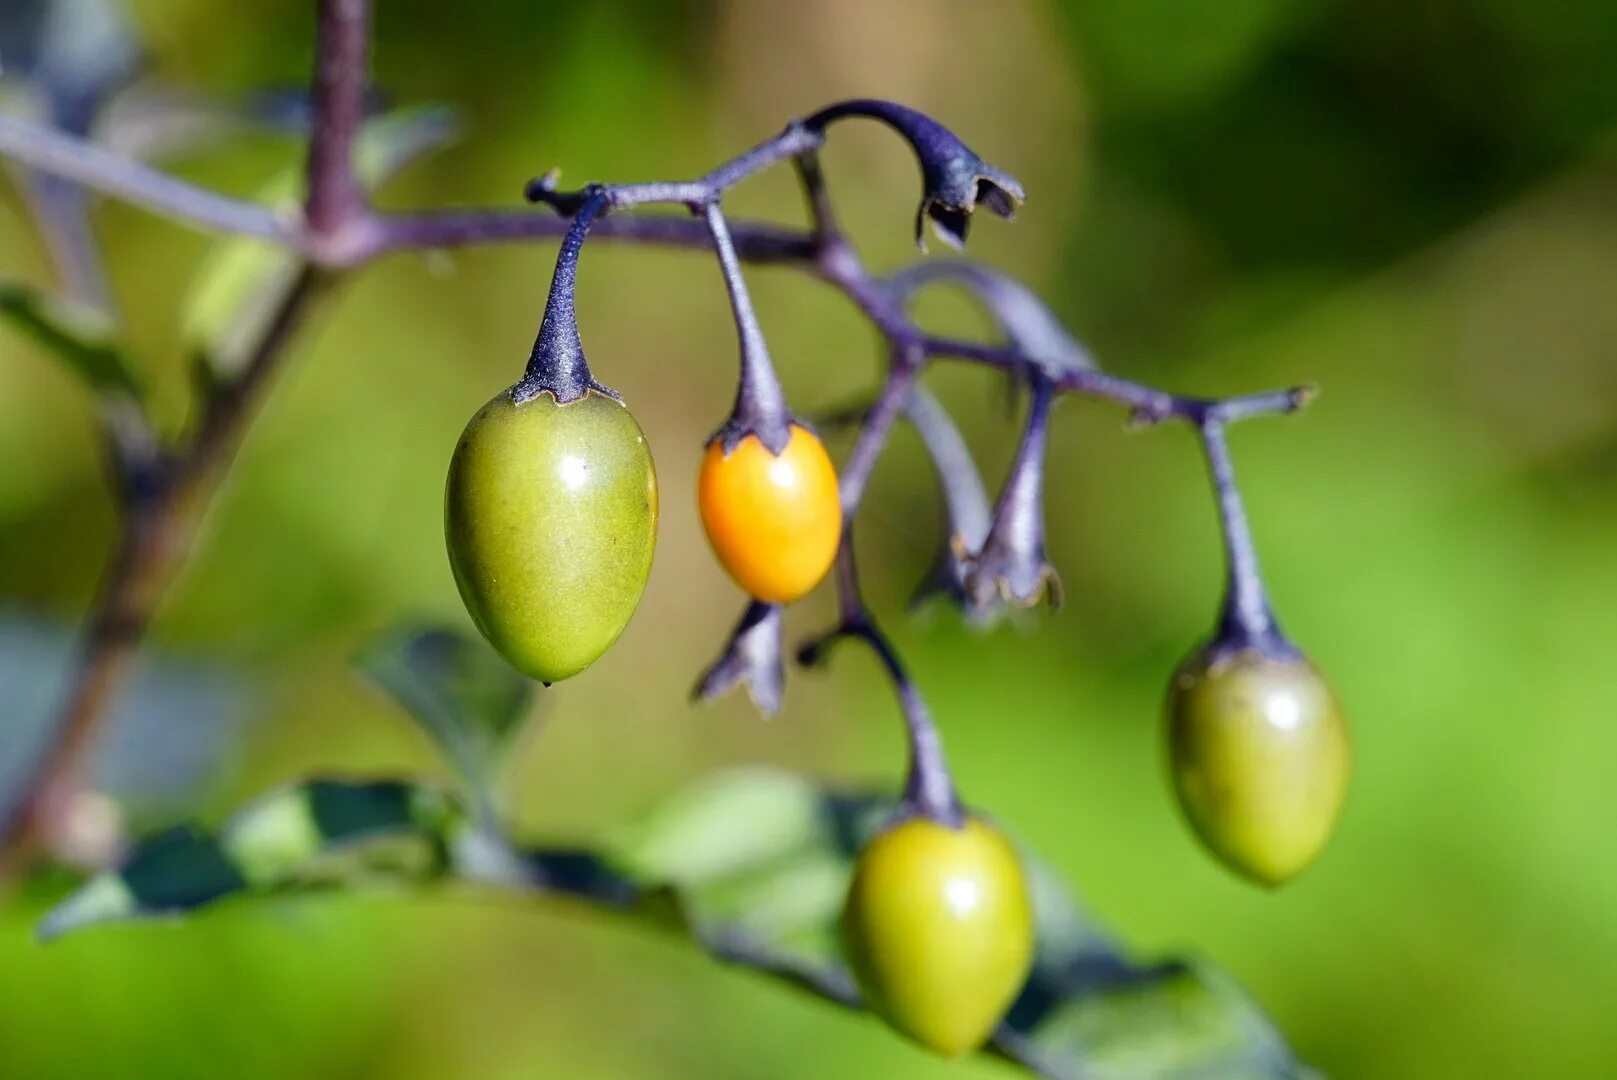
{"x":1412,"y":204}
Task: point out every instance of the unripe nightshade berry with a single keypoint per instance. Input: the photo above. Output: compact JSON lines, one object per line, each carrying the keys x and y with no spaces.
{"x":1259,"y":757}
{"x":938,"y":929}
{"x":774,"y":520}
{"x":551,"y":518}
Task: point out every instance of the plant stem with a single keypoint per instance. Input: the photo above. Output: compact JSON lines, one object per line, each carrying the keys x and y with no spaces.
{"x":861,"y":460}
{"x":335,"y":201}
{"x":557,"y":365}
{"x":1018,"y":522}
{"x":59,"y":154}
{"x":160,"y":513}
{"x":1246,"y":620}
{"x":760,"y":405}
{"x":462,"y":228}
{"x":965,"y":500}
{"x":928,"y":788}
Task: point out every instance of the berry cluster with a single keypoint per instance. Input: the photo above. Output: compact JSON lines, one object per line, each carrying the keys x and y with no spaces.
{"x":551,"y":521}
{"x":552,"y":501}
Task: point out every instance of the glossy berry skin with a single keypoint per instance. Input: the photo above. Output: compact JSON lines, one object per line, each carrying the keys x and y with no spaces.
{"x":551,"y":517}
{"x":1260,"y":759}
{"x":938,"y":928}
{"x":774,"y":522}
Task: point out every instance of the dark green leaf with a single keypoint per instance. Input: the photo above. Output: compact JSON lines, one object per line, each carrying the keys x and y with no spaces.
{"x":76,"y":334}
{"x":457,"y":688}
{"x":320,"y":832}
{"x":180,"y":869}
{"x":169,"y":873}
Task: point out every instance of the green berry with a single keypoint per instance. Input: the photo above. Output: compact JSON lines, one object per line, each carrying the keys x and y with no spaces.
{"x":938,"y":927}
{"x":1260,"y":759}
{"x":551,"y":518}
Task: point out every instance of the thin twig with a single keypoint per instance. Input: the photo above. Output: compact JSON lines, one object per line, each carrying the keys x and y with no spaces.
{"x":160,"y":511}
{"x":52,"y":151}
{"x":434,"y":229}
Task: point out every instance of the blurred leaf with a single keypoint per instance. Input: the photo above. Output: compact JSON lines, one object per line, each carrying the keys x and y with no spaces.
{"x":753,"y":864}
{"x":314,"y":833}
{"x":76,"y":52}
{"x":168,"y":737}
{"x":1174,"y":1021}
{"x":340,"y":831}
{"x":392,"y":141}
{"x":723,"y":824}
{"x":456,"y":687}
{"x":243,"y":279}
{"x":79,"y":335}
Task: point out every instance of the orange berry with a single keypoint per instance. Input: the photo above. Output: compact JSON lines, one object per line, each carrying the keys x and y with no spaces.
{"x":774,"y":521}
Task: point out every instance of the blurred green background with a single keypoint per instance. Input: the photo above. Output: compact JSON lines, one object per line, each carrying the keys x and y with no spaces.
{"x":1412,"y":204}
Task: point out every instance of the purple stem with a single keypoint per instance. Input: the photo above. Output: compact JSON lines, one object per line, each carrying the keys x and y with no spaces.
{"x":1246,"y":620}
{"x":964,"y":497}
{"x":822,"y":214}
{"x":760,"y":405}
{"x":1019,"y":516}
{"x":1028,"y":324}
{"x":855,"y":472}
{"x":796,"y":139}
{"x":335,"y":201}
{"x":53,"y":151}
{"x":461,"y":228}
{"x":557,"y":364}
{"x":928,"y":788}
{"x":339,"y":231}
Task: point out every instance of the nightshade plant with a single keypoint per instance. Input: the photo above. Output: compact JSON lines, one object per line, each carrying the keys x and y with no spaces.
{"x":947,"y":930}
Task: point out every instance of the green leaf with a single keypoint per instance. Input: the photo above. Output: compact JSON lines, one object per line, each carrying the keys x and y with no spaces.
{"x":79,"y":335}
{"x":457,"y":688}
{"x":1173,"y":1021}
{"x":752,"y":865}
{"x":243,"y":279}
{"x":172,"y":872}
{"x":320,"y":832}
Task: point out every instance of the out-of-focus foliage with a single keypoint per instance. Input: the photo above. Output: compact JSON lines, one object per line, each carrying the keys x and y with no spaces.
{"x":81,"y":337}
{"x":466,"y":698}
{"x":1413,"y":205}
{"x":751,"y":864}
{"x":169,"y":739}
{"x":243,"y":278}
